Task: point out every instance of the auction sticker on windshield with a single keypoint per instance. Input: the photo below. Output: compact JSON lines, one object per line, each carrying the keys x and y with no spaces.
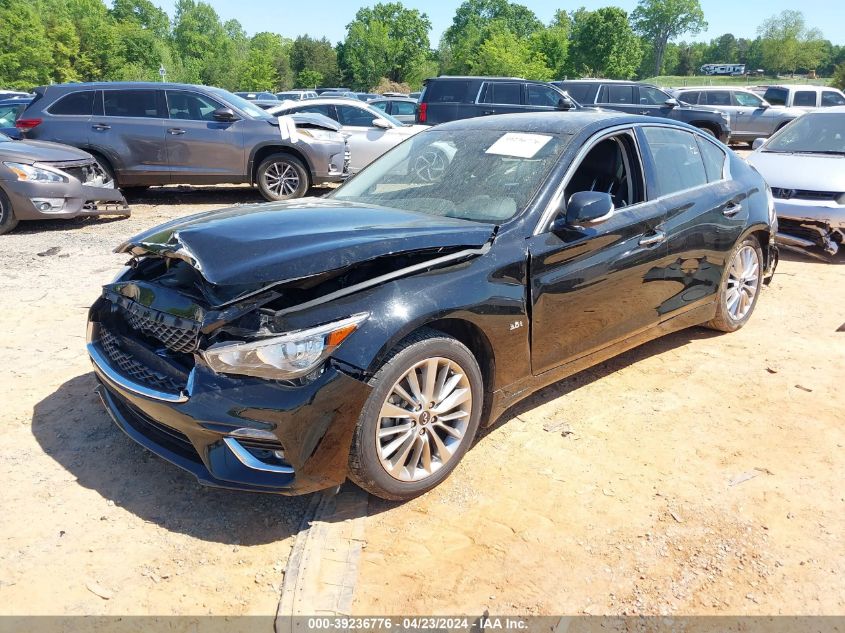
{"x":519,"y":145}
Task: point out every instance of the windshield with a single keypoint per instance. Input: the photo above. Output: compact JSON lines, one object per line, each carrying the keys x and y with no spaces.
{"x":478,"y":175}
{"x":815,"y":132}
{"x":247,"y":107}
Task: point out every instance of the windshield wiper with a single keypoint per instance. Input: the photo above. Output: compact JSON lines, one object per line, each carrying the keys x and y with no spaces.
{"x":831,"y":152}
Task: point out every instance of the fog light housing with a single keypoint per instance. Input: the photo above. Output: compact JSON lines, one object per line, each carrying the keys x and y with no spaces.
{"x":49,"y":205}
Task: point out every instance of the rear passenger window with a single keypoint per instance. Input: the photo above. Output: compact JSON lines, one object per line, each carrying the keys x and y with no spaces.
{"x":714,"y":159}
{"x":381,"y":105}
{"x":689,"y":97}
{"x":131,"y":103}
{"x":776,"y":96}
{"x":502,"y":92}
{"x":612,"y":93}
{"x":79,"y":103}
{"x":403,"y":108}
{"x":448,"y":92}
{"x":677,"y":160}
{"x":805,"y":98}
{"x":830,"y":98}
{"x":543,"y":96}
{"x":718,"y":97}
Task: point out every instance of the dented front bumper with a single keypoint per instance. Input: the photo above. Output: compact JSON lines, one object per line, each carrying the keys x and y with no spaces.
{"x":40,"y":201}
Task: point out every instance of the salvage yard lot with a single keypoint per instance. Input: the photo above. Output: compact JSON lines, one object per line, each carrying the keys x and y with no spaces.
{"x":700,"y":473}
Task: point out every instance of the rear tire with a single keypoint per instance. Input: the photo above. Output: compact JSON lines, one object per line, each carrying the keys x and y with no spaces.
{"x":282,"y":177}
{"x":8,"y":221}
{"x":741,"y":284}
{"x":403,"y":456}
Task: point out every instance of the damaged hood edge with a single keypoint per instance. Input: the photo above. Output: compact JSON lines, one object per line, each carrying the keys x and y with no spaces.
{"x":262,"y":245}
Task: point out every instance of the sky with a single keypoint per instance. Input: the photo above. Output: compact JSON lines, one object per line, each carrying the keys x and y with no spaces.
{"x":328,"y":18}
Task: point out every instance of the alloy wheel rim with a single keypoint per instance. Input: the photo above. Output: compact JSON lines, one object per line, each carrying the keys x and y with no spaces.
{"x":430,"y":166}
{"x":743,"y":282}
{"x":423,"y":419}
{"x":282,"y":179}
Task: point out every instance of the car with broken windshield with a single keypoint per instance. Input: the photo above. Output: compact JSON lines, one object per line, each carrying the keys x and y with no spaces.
{"x":285,"y":347}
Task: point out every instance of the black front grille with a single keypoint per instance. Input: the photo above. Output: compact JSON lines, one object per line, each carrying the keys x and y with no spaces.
{"x":803,"y":194}
{"x":130,"y":367}
{"x":175,"y":333}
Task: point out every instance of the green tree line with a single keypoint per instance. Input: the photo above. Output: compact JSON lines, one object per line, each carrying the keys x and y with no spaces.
{"x":386,"y":45}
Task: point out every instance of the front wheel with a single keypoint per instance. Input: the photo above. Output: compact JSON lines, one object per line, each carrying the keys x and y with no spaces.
{"x":420,"y":418}
{"x":8,"y":221}
{"x":282,"y":177}
{"x":741,"y":284}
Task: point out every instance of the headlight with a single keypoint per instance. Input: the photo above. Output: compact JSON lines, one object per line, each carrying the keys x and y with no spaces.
{"x":284,"y":357}
{"x":35,"y":174}
{"x":320,"y":135}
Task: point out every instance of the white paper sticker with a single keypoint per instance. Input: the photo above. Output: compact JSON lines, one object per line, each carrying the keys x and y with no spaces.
{"x":287,"y":129}
{"x":519,"y":145}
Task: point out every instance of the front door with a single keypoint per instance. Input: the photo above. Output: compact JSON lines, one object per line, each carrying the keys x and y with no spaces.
{"x":199,"y":148}
{"x":366,"y":141}
{"x":593,"y":286}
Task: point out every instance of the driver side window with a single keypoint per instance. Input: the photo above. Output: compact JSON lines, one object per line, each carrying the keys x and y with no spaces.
{"x":611,"y":166}
{"x":356,"y":117}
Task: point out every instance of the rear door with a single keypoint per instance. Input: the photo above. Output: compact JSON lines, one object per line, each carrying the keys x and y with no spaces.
{"x":130,"y":127}
{"x":199,"y":148}
{"x":705,"y":212}
{"x":806,"y":99}
{"x":500,"y":97}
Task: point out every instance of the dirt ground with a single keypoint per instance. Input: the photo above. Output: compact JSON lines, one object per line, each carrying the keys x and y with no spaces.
{"x":701,"y":473}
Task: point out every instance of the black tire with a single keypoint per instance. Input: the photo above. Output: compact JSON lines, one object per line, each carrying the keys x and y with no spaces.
{"x":707,"y":130}
{"x":8,"y":221}
{"x":724,"y":321}
{"x":106,"y":165}
{"x":282,"y":166}
{"x":365,"y":465}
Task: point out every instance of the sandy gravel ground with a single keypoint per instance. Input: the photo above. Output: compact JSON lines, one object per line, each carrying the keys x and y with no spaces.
{"x":701,"y":473}
{"x":92,"y":523}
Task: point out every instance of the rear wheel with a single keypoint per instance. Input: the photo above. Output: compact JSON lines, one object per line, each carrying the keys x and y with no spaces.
{"x":8,"y":221}
{"x":420,"y":418}
{"x":282,"y":177}
{"x":741,"y":284}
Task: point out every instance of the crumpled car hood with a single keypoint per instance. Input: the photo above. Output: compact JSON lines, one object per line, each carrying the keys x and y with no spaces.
{"x":279,"y":242}
{"x":801,"y":171}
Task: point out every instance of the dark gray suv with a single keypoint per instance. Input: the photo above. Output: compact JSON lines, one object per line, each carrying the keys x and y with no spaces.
{"x":162,"y":133}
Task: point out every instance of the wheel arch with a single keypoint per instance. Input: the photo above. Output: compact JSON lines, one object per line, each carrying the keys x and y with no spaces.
{"x":263,"y":151}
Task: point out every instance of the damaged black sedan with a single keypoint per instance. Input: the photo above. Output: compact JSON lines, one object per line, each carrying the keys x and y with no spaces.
{"x":288,"y":346}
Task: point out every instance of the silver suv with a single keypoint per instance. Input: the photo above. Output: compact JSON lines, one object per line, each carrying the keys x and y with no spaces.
{"x":751,"y":116}
{"x":162,"y":133}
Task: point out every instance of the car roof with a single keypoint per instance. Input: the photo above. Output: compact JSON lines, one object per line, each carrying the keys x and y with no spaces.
{"x":331,"y":101}
{"x":548,"y":122}
{"x":478,"y":77}
{"x":743,"y":88}
{"x":800,"y":87}
{"x":102,"y":85}
{"x":394,"y":99}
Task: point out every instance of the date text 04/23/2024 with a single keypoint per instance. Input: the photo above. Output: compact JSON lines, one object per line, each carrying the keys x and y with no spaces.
{"x":417,"y":623}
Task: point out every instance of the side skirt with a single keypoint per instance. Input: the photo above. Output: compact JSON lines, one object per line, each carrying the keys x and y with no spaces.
{"x":507,"y":397}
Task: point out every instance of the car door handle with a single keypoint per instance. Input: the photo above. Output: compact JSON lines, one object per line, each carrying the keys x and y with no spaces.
{"x":100,"y":127}
{"x":731,"y":209}
{"x":486,"y":112}
{"x":655,"y":238}
{"x":175,"y":131}
{"x":645,"y":111}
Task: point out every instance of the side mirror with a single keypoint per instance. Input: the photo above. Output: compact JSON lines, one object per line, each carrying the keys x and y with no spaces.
{"x":226,"y":115}
{"x":586,"y":208}
{"x":758,"y":142}
{"x":381,"y":123}
{"x":564,"y":104}
{"x":671,"y":103}
{"x":765,"y":105}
